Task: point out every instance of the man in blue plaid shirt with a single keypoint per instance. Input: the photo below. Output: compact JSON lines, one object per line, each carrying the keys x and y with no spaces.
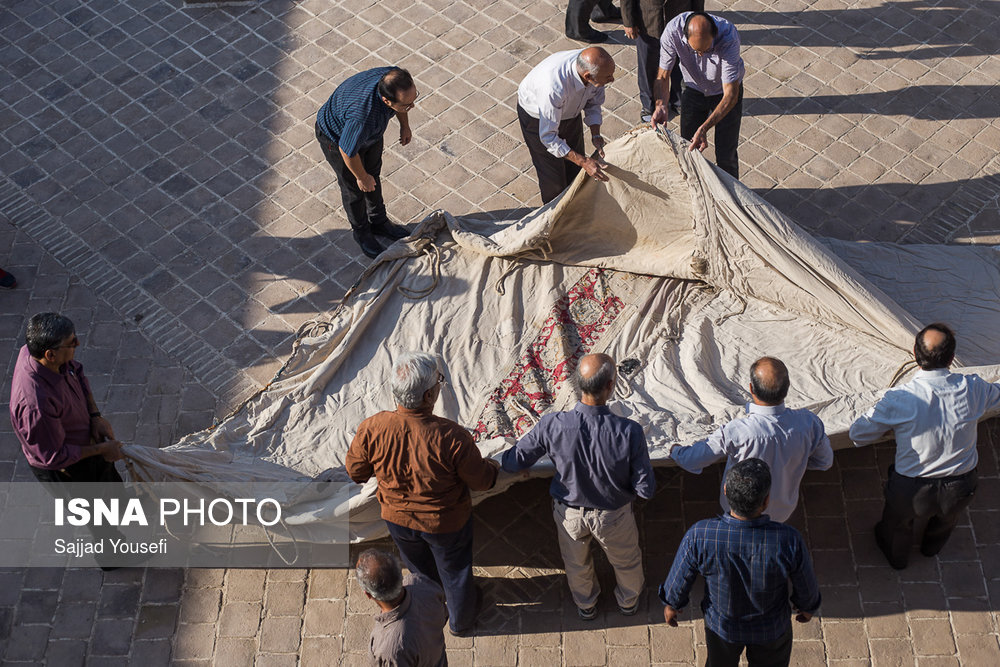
{"x":747,"y":561}
{"x":349,"y":128}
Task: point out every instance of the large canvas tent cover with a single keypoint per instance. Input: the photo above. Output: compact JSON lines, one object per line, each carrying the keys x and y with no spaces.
{"x":681,"y":273}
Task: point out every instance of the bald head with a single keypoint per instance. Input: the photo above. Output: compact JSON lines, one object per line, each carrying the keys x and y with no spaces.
{"x":595,"y":376}
{"x":934,"y":347}
{"x":596,"y":66}
{"x":700,"y":31}
{"x":769,"y":381}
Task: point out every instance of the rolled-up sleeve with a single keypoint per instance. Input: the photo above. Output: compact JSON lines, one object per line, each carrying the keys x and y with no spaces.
{"x":733,"y":68}
{"x":668,"y":44}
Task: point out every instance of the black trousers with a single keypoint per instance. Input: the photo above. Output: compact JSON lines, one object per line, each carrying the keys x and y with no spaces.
{"x":695,"y":110}
{"x":363,"y":208}
{"x":727,"y":654}
{"x":647,"y":49}
{"x":59,"y":484}
{"x":578,"y":13}
{"x":940,"y":501}
{"x":554,"y":173}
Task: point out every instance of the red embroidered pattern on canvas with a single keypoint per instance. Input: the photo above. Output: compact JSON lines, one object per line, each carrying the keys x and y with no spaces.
{"x":573,"y":327}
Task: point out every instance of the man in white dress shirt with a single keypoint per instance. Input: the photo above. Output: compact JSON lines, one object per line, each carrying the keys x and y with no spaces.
{"x":549,"y":102}
{"x":789,"y":441}
{"x":934,"y":418}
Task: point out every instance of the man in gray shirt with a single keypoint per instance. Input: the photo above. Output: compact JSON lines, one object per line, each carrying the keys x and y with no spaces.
{"x":789,"y":441}
{"x":410,"y":630}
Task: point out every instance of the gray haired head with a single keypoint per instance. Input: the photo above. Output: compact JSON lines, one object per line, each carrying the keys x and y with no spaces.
{"x":380,"y":575}
{"x":46,"y":331}
{"x":412,"y":375}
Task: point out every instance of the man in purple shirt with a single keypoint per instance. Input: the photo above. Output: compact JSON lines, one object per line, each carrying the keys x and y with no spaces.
{"x":61,"y":431}
{"x":602,"y":464}
{"x":707,"y":50}
{"x":410,"y":629}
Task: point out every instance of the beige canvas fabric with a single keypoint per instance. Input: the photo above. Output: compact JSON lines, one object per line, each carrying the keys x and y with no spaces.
{"x":680,"y":272}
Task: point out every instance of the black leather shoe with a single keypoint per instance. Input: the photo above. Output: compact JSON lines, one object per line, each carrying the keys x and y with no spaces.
{"x":371,"y":247}
{"x":592,"y":37}
{"x":390,"y":230}
{"x":598,"y":16}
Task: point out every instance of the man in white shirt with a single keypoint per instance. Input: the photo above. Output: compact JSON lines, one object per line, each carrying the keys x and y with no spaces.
{"x":789,"y":441}
{"x":549,"y":102}
{"x":933,"y":418}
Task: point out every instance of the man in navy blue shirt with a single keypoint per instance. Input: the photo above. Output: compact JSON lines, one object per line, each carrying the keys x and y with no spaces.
{"x":747,"y":561}
{"x":349,"y":128}
{"x":602,"y":464}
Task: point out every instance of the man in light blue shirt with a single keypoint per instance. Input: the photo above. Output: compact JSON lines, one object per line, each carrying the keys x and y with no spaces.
{"x":602,"y":464}
{"x":789,"y":441}
{"x":707,"y":50}
{"x":933,"y":418}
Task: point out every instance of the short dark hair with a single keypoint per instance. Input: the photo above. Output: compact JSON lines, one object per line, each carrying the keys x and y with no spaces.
{"x":394,"y":82}
{"x":380,"y":575}
{"x":596,"y":383}
{"x":937,"y":357}
{"x":47,"y":331}
{"x":747,"y":485}
{"x":711,"y":22}
{"x":770,"y":392}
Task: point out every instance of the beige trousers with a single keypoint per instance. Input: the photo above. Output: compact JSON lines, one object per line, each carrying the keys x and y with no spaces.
{"x":617,"y":534}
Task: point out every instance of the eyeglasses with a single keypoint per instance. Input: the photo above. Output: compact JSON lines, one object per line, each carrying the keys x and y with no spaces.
{"x":399,"y":106}
{"x":73,"y":343}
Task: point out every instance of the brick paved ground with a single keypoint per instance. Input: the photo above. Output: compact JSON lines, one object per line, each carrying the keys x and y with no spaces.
{"x":160,"y":184}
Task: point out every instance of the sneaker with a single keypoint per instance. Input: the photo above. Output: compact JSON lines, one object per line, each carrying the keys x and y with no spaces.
{"x":7,"y":280}
{"x":646,"y":118}
{"x":588,"y":614}
{"x":629,"y":611}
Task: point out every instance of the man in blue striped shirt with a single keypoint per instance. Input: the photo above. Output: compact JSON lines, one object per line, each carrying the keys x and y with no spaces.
{"x":747,"y":561}
{"x":349,"y":128}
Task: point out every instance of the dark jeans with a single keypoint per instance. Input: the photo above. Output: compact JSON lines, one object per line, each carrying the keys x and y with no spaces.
{"x":554,"y":173}
{"x":695,"y":110}
{"x":647,"y":50}
{"x":447,"y":559}
{"x":939,"y":500}
{"x":727,"y":654}
{"x":363,"y":208}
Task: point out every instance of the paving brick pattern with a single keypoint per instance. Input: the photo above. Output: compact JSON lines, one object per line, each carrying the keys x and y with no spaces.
{"x":161,"y":185}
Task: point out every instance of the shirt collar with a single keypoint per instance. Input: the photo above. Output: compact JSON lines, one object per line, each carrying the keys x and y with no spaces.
{"x":387,"y":617}
{"x":576,"y":78}
{"x":45,"y":373}
{"x":414,"y":412}
{"x":759,"y":521}
{"x":936,"y":373}
{"x":754,"y":409}
{"x":592,"y":409}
